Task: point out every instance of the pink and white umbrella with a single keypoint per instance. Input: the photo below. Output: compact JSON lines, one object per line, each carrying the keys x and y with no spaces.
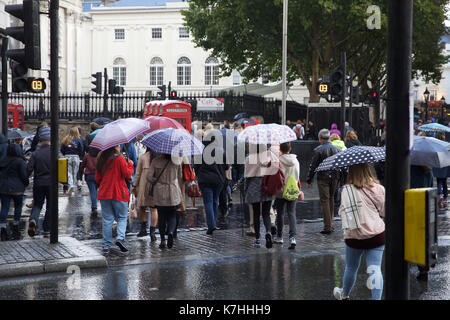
{"x":119,"y":132}
{"x":271,"y":133}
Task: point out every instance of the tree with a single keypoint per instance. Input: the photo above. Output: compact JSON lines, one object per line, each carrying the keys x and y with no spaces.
{"x":247,"y":36}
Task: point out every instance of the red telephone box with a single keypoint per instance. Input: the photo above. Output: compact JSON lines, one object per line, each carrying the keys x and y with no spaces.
{"x":174,"y":109}
{"x":15,"y":116}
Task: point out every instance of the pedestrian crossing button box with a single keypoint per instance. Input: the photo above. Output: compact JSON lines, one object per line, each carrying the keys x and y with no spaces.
{"x":62,"y":170}
{"x":421,"y":226}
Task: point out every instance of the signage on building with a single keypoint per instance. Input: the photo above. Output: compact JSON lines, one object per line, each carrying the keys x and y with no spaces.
{"x":210,"y":104}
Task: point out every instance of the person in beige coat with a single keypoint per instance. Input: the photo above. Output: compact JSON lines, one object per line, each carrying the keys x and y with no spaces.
{"x":165,"y":176}
{"x":141,"y":189}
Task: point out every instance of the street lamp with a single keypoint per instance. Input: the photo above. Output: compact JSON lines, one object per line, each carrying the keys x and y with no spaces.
{"x":426,"y":96}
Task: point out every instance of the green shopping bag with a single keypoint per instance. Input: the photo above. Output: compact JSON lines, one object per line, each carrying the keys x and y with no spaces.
{"x":291,"y":190}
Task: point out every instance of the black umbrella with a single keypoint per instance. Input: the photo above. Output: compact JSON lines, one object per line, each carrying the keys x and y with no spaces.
{"x":352,"y":156}
{"x":14,"y":134}
{"x":102,"y":121}
{"x":247,"y":121}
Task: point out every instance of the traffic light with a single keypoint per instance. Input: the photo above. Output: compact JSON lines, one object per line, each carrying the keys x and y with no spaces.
{"x":97,"y":82}
{"x":323,"y":88}
{"x":162,"y":94}
{"x":173,"y":94}
{"x":18,"y":77}
{"x":355,"y":95}
{"x":113,"y":88}
{"x":28,"y":34}
{"x":336,"y":78}
{"x":373,"y":97}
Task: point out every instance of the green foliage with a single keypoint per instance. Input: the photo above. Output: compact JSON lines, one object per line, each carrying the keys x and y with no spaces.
{"x":247,"y":36}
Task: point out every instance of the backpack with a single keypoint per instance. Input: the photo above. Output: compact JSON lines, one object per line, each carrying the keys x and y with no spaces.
{"x":273,"y":184}
{"x":291,"y":190}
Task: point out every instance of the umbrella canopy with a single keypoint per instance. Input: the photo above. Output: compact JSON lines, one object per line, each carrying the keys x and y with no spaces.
{"x":14,"y":134}
{"x":102,"y":121}
{"x":159,"y":122}
{"x":271,"y":133}
{"x":246,"y":122}
{"x":352,"y":156}
{"x":173,"y":141}
{"x":428,"y":151}
{"x":119,"y":132}
{"x":240,"y":116}
{"x":437,"y":127}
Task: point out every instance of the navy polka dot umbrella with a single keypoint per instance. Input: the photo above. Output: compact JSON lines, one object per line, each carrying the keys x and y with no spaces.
{"x":352,"y":156}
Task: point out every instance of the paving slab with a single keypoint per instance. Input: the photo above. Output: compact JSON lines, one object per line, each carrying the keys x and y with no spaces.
{"x":36,"y":256}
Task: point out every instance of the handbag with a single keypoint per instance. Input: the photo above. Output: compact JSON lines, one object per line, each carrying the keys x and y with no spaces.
{"x":188,"y":173}
{"x":132,"y":208}
{"x":193,"y":190}
{"x":157,"y":179}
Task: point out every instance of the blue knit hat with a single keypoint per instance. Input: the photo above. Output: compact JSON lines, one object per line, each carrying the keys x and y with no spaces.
{"x":44,"y":134}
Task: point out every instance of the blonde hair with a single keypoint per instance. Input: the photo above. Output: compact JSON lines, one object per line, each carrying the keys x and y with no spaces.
{"x":360,"y":175}
{"x":334,"y":136}
{"x":73,"y":133}
{"x":350,"y":135}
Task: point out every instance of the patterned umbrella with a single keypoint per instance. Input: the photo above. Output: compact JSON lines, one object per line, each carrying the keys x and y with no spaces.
{"x":119,"y":132}
{"x":353,"y":155}
{"x":271,"y":133}
{"x":437,"y":127}
{"x":102,"y":121}
{"x":159,"y":122}
{"x":173,"y":141}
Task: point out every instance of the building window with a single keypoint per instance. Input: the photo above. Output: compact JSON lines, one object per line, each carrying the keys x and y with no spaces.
{"x":184,"y":71}
{"x":156,"y":72}
{"x":120,"y":72}
{"x":237,"y":78}
{"x":433,"y":95}
{"x":211,"y":71}
{"x":156,"y":33}
{"x":183,"y":33}
{"x":119,"y":34}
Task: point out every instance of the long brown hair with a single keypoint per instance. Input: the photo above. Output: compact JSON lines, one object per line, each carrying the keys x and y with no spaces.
{"x":361,"y":176}
{"x":350,"y":135}
{"x":73,"y":133}
{"x":103,"y":156}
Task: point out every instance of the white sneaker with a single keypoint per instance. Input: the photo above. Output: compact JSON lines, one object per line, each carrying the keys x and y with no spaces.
{"x":277,"y":239}
{"x":337,"y":292}
{"x":292,"y":243}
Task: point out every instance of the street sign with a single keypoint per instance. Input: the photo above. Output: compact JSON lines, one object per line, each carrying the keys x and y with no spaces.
{"x":36,"y":85}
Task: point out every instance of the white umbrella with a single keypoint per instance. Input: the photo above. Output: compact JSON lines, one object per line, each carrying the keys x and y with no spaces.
{"x":271,"y":133}
{"x":119,"y":132}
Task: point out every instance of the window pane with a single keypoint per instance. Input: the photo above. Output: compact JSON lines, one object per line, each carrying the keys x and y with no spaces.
{"x":116,"y":74}
{"x":215,"y":75}
{"x":187,"y":80}
{"x":153,"y":76}
{"x":156,"y":33}
{"x":160,"y":76}
{"x":180,"y":76}
{"x":123,"y":76}
{"x":183,"y":32}
{"x":119,"y":34}
{"x":207,"y":75}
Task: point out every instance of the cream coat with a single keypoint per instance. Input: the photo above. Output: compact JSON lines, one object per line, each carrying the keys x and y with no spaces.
{"x":141,"y":182}
{"x":167,"y":190}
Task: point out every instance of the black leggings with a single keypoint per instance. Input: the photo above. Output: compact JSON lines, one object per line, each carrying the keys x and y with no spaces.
{"x":166,"y":220}
{"x":265,"y":215}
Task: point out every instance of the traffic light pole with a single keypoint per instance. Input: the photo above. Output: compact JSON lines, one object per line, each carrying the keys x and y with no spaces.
{"x":105,"y":95}
{"x":344,"y":89}
{"x":54,"y":103}
{"x":350,"y":104}
{"x":400,"y":13}
{"x":4,"y":121}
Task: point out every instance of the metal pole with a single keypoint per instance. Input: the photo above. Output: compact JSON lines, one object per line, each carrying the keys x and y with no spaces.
{"x":4,"y":114}
{"x":105,"y":94}
{"x":283,"y":102}
{"x":400,"y":13}
{"x":344,"y":88}
{"x":54,"y":103}
{"x":350,"y":103}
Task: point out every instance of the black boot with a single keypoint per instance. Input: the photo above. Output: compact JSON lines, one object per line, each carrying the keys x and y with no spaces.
{"x":152,"y":234}
{"x":143,"y":231}
{"x":94,"y":213}
{"x":3,"y":234}
{"x":15,"y":232}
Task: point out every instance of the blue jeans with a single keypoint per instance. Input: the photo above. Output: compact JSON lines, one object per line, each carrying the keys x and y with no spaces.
{"x":113,"y":210}
{"x":373,"y":262}
{"x":6,"y":201}
{"x":41,"y":194}
{"x":211,"y":202}
{"x":442,"y":187}
{"x":90,"y":180}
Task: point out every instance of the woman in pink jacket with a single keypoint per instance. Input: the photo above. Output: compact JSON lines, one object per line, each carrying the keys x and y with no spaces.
{"x":362,"y":213}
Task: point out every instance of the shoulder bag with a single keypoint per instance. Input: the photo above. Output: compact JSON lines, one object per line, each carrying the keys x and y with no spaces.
{"x":157,"y":179}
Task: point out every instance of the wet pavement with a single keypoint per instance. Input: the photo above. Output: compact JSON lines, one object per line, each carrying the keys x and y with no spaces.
{"x":222,"y":266}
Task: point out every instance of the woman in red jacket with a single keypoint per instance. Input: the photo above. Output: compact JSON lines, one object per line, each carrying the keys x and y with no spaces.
{"x":112,"y":171}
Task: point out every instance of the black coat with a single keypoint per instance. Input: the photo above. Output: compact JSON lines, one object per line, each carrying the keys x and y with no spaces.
{"x":40,"y":163}
{"x":352,"y":143}
{"x":13,"y":171}
{"x":322,"y":152}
